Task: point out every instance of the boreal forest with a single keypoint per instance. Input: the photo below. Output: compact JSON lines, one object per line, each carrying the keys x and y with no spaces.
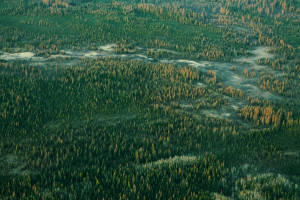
{"x":150,"y":99}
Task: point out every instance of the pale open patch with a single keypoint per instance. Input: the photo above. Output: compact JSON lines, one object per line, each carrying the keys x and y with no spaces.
{"x":217,"y":114}
{"x":17,"y":56}
{"x":140,"y":57}
{"x":250,"y":195}
{"x":236,"y":78}
{"x":59,"y":56}
{"x":259,"y":53}
{"x":292,"y":153}
{"x":235,"y":107}
{"x":240,"y":29}
{"x":263,"y":52}
{"x":187,"y":62}
{"x":108,"y":47}
{"x":201,"y":85}
{"x":254,"y":91}
{"x":12,"y":165}
{"x":185,"y":105}
{"x":253,"y":185}
{"x":161,"y":50}
{"x":217,"y":196}
{"x":91,"y":54}
{"x":223,"y":71}
{"x":177,"y":160}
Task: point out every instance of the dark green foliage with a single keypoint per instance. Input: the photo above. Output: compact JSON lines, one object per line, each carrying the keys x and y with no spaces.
{"x":113,"y":128}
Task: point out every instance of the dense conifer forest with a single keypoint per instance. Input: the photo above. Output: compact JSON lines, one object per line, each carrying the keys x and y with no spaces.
{"x":150,"y":99}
